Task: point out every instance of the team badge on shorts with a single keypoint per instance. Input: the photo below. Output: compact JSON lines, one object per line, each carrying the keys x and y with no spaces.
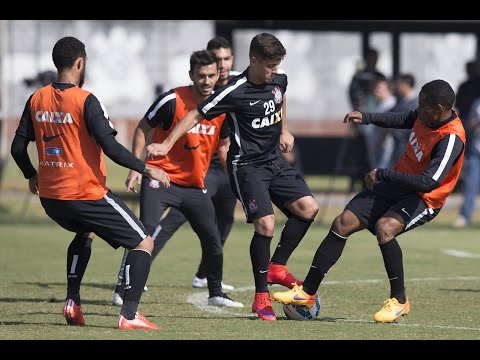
{"x":252,"y":206}
{"x":154,"y":184}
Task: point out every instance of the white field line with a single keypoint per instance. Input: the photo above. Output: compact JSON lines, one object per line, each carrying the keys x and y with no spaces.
{"x":461,"y":253}
{"x":200,"y":300}
{"x":413,"y":325}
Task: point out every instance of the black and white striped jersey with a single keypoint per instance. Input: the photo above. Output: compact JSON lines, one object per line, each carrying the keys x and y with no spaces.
{"x":254,"y":115}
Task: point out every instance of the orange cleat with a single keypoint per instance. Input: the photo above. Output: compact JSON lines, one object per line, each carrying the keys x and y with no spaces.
{"x":262,"y":305}
{"x":391,"y":311}
{"x":140,"y":322}
{"x":73,"y":313}
{"x":278,"y":274}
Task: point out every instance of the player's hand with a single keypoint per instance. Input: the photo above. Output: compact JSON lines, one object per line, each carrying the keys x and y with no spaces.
{"x":371,"y":179}
{"x":133,"y":178}
{"x":33,"y":184}
{"x":158,"y":174}
{"x":286,"y":141}
{"x":353,"y":117}
{"x":157,"y":149}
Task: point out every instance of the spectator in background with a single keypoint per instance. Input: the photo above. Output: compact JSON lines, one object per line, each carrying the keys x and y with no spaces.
{"x":468,"y":91}
{"x":362,"y":99}
{"x":472,"y":172}
{"x":361,"y":85}
{"x":380,"y":143}
{"x":407,"y":100}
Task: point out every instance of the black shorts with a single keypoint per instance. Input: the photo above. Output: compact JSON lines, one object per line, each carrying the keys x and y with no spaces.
{"x":257,"y":186}
{"x":193,"y":203}
{"x":369,"y":207}
{"x":217,"y":184}
{"x":109,"y":218}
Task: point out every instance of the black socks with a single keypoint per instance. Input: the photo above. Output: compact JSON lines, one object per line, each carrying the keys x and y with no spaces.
{"x":260,"y":256}
{"x":393,"y":260}
{"x":78,"y":255}
{"x":293,"y":232}
{"x":326,"y":256}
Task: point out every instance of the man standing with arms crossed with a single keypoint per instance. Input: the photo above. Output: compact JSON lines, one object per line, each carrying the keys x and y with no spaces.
{"x":71,"y":128}
{"x":255,"y":104}
{"x":187,"y":166}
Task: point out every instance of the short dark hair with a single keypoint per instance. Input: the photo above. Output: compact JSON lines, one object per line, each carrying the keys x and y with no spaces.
{"x":438,"y":92}
{"x":201,"y":58}
{"x":267,"y":46}
{"x":407,"y":78}
{"x":217,"y":43}
{"x":66,"y":51}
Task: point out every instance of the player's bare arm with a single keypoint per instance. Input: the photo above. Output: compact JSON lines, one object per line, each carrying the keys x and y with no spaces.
{"x":286,"y":138}
{"x":33,"y":184}
{"x":192,"y":118}
{"x":140,"y":136}
{"x":222,"y":150}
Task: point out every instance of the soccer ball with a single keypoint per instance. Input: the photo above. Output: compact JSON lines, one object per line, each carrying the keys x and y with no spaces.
{"x":301,"y":312}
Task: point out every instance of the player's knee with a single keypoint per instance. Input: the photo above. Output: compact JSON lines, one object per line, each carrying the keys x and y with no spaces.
{"x":312,"y":210}
{"x":265,"y":225}
{"x":385,"y":230}
{"x":345,"y":224}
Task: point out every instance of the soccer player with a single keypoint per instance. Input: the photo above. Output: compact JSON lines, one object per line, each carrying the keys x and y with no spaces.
{"x":186,"y":166}
{"x":397,"y":200}
{"x":254,"y":103}
{"x":71,"y":128}
{"x":217,"y":183}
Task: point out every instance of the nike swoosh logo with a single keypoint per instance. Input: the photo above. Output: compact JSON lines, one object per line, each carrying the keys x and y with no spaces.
{"x":398,"y":312}
{"x":190,"y":148}
{"x":263,"y":271}
{"x":50,"y":138}
{"x":296,"y":297}
{"x":204,"y":191}
{"x":255,"y":102}
{"x":403,"y":209}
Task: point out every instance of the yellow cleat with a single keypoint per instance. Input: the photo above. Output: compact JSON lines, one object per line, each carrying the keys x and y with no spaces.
{"x":391,"y":311}
{"x":295,"y":296}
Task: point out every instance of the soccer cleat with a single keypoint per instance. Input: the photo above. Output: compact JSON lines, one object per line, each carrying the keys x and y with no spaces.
{"x":117,"y":299}
{"x":262,"y":305}
{"x":73,"y":313}
{"x":140,"y":322}
{"x":224,"y":300}
{"x":203,"y":283}
{"x":391,"y":311}
{"x":278,"y":274}
{"x":295,"y":296}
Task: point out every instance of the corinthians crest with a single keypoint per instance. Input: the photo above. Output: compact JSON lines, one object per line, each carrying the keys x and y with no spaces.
{"x":252,"y":206}
{"x":278,"y":95}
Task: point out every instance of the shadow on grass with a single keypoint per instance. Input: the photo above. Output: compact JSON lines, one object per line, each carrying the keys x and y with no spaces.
{"x":108,"y":286}
{"x":49,"y":324}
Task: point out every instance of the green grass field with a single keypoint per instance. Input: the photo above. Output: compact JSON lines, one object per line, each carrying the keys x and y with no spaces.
{"x":443,"y":288}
